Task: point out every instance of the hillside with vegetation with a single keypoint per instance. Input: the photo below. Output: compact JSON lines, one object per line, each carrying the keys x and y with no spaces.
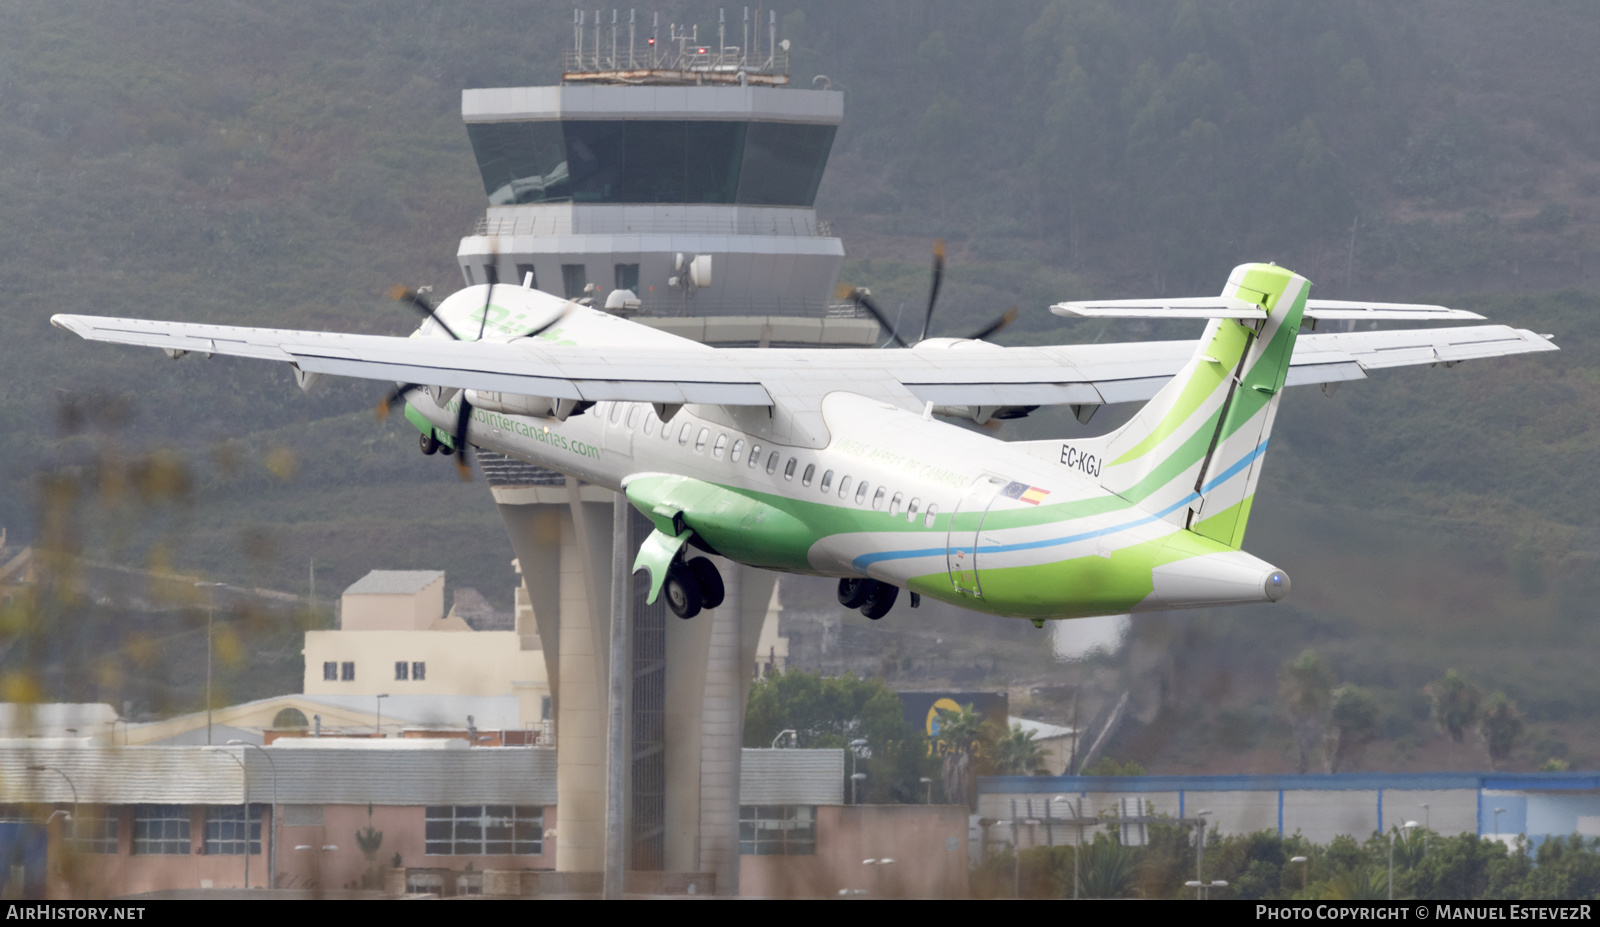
{"x":284,"y":165}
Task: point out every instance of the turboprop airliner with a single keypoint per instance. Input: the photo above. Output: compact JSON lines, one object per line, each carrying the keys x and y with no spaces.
{"x":838,"y":463}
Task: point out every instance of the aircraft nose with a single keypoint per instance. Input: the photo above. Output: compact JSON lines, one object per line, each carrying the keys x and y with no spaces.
{"x":1276,"y":585}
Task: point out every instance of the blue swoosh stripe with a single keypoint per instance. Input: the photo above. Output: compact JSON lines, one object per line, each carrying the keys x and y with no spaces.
{"x":866,"y":560}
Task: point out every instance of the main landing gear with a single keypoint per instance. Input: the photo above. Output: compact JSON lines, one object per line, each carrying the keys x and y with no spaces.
{"x":693,"y":586}
{"x":428,"y":443}
{"x":872,"y":597}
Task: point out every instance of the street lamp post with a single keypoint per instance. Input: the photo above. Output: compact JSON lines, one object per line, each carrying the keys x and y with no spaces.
{"x":272,"y":833}
{"x":928,"y":783}
{"x":855,"y":777}
{"x":787,"y":732}
{"x":1202,"y":890}
{"x":1427,"y":827}
{"x":1392,"y":833}
{"x":245,"y":775}
{"x":70,"y":785}
{"x":1497,"y":813}
{"x":378,"y":727}
{"x":1305,"y":870}
{"x":1077,"y":843}
{"x":1200,"y":846}
{"x":877,"y":875}
{"x":211,"y":614}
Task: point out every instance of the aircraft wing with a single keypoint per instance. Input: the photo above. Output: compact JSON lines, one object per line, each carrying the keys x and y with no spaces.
{"x":968,"y":373}
{"x":945,"y":372}
{"x":675,"y":374}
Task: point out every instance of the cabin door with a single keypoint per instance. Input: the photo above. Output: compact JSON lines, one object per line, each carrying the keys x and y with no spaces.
{"x":961,"y":546}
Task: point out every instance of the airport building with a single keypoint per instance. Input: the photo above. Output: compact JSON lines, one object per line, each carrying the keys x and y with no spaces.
{"x":1040,"y":810}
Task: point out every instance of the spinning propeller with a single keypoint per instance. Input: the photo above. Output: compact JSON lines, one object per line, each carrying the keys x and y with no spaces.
{"x":458,"y":437}
{"x":862,"y":297}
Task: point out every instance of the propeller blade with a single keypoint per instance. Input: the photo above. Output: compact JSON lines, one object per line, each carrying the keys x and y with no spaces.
{"x":483,"y":317}
{"x":463,"y":419}
{"x":863,"y":298}
{"x":933,"y":292}
{"x":402,"y":294}
{"x":1004,"y":320}
{"x":390,"y":399}
{"x":566,"y":309}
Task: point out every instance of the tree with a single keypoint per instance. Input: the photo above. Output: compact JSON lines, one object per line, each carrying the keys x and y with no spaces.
{"x":961,"y":737}
{"x":1455,"y":704}
{"x":1352,"y":724}
{"x":832,"y":711}
{"x":1016,"y":753}
{"x":1500,"y":726}
{"x":1304,"y":684}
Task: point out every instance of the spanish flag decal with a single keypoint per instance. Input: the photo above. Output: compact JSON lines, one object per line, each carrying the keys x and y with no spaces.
{"x":1032,"y":495}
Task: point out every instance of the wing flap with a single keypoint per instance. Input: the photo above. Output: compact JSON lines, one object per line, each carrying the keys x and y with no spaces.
{"x":1344,"y":309}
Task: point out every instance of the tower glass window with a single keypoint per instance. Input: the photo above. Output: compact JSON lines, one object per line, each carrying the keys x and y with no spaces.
{"x":527,"y":276}
{"x":651,"y":161}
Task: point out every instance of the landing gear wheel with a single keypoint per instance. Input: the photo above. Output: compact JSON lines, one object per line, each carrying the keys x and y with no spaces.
{"x":446,"y":449}
{"x":711,"y":589}
{"x":428,"y":443}
{"x":682,"y":591}
{"x":853,"y":592}
{"x":880,"y":601}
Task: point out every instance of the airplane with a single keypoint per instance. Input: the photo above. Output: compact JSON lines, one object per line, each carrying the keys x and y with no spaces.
{"x":831,"y":462}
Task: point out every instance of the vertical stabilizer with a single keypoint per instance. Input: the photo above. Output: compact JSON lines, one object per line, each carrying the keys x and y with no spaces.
{"x":1193,"y":453}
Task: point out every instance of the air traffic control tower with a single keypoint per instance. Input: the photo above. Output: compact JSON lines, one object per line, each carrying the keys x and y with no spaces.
{"x":684,"y":172}
{"x":669,"y":178}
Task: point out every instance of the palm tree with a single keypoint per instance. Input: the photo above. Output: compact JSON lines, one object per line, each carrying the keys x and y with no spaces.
{"x":1016,"y":753}
{"x":1304,"y":684}
{"x":960,"y":737}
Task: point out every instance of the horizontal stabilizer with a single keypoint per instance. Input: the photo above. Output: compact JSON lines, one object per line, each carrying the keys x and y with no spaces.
{"x":1335,"y":309}
{"x":1188,"y":307}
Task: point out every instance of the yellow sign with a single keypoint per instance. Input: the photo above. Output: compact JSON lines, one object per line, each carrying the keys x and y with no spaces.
{"x":934,"y":721}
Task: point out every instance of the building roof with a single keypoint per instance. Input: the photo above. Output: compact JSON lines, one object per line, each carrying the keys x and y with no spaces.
{"x":791,"y":777}
{"x":1041,"y":730}
{"x":338,"y":775}
{"x":394,"y":582}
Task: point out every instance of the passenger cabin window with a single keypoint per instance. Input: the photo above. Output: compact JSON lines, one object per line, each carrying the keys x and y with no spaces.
{"x":861,"y":492}
{"x":633,"y":415}
{"x":616,"y":412}
{"x":827,"y":481}
{"x":788,"y":469}
{"x":666,"y":429}
{"x":683,"y":433}
{"x":844,"y":486}
{"x":805,"y":478}
{"x":650,"y":423}
{"x":933,"y":510}
{"x":894,"y":504}
{"x":721,"y":445}
{"x":701,"y":439}
{"x":911,"y":510}
{"x":738,"y":449}
{"x":772,"y":463}
{"x":755,"y":454}
{"x":877,"y":499}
